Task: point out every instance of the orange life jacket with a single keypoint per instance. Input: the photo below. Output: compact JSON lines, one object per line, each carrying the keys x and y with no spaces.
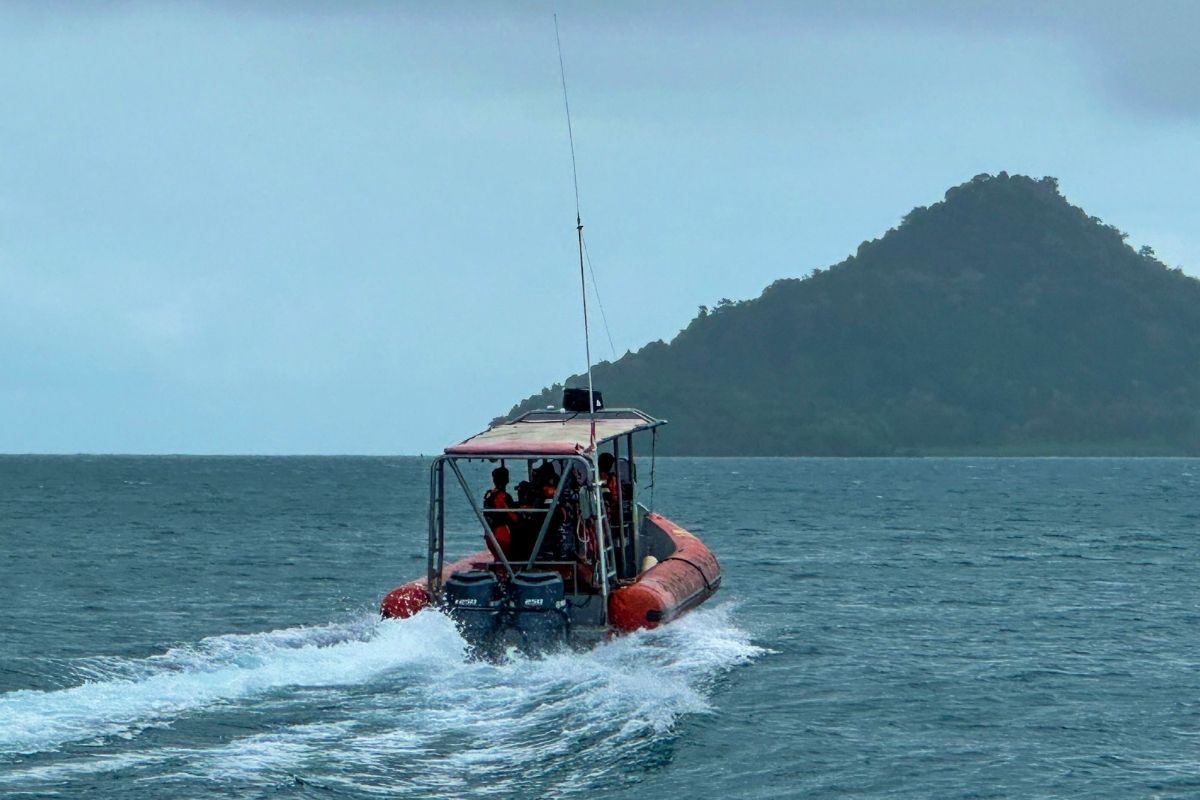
{"x":495,"y":499}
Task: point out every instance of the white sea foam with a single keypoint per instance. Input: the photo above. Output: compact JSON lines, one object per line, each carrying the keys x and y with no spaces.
{"x":401,"y":707}
{"x":251,"y":756}
{"x":218,"y":670}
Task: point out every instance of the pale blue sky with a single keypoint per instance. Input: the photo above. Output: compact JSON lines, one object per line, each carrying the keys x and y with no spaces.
{"x":349,"y":228}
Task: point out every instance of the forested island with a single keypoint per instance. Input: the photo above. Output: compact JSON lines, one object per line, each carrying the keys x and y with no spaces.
{"x":1001,"y":320}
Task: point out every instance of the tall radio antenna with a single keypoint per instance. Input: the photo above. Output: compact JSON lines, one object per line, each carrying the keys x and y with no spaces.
{"x":587,"y":339}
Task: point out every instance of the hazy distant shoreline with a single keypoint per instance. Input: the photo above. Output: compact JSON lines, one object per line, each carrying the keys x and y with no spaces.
{"x":998,"y":453}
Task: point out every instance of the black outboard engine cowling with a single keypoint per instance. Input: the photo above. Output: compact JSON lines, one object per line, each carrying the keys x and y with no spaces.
{"x":539,"y":610}
{"x":474,"y":601}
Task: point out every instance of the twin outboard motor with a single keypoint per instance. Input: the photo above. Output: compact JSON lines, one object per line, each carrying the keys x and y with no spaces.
{"x":532,"y":614}
{"x":540,"y":610}
{"x":474,"y":601}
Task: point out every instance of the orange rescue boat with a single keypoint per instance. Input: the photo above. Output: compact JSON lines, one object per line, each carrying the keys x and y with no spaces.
{"x":575,"y":557}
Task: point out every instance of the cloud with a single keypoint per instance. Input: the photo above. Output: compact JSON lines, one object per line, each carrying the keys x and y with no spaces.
{"x":1142,"y":55}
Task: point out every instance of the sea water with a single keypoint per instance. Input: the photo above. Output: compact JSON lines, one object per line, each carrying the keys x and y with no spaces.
{"x":206,"y":627}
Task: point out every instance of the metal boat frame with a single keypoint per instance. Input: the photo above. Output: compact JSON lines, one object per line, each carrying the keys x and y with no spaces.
{"x":618,"y":550}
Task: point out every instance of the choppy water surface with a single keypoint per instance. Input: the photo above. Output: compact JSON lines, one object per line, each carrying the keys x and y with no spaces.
{"x":205,"y":627}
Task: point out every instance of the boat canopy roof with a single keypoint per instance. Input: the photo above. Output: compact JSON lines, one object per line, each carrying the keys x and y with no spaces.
{"x":553,"y":433}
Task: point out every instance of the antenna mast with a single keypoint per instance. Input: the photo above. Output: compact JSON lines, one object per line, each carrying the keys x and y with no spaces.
{"x":594,"y":479}
{"x":587,"y":339}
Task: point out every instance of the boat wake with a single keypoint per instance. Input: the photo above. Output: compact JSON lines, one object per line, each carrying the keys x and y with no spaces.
{"x":371,"y":706}
{"x":122,"y":696}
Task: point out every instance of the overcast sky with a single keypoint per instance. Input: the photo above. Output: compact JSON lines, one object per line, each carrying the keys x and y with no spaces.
{"x":349,"y":227}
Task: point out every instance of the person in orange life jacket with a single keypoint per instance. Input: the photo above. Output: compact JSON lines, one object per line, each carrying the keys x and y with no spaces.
{"x":545,"y":479}
{"x":608,"y":483}
{"x":545,"y":487}
{"x":525,"y":529}
{"x":608,"y":474}
{"x":494,"y":501}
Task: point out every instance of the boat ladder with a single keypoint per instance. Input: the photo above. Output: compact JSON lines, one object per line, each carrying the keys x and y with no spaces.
{"x":610,"y":552}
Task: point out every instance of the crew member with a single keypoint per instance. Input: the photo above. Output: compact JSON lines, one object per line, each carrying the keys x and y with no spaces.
{"x":545,"y":488}
{"x":608,"y":484}
{"x":545,"y":479}
{"x":608,"y":474}
{"x":495,"y":500}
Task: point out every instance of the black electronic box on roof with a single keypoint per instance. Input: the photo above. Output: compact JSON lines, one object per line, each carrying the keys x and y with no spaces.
{"x":577,"y":400}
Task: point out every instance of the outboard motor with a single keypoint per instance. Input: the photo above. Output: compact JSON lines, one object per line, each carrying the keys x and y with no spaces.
{"x":540,"y":610}
{"x":474,"y":600}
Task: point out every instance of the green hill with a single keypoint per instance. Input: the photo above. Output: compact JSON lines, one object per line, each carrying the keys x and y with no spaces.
{"x":1000,"y":320}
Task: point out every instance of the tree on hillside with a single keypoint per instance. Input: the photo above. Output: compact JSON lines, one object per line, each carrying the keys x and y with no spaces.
{"x":1001,"y":319}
